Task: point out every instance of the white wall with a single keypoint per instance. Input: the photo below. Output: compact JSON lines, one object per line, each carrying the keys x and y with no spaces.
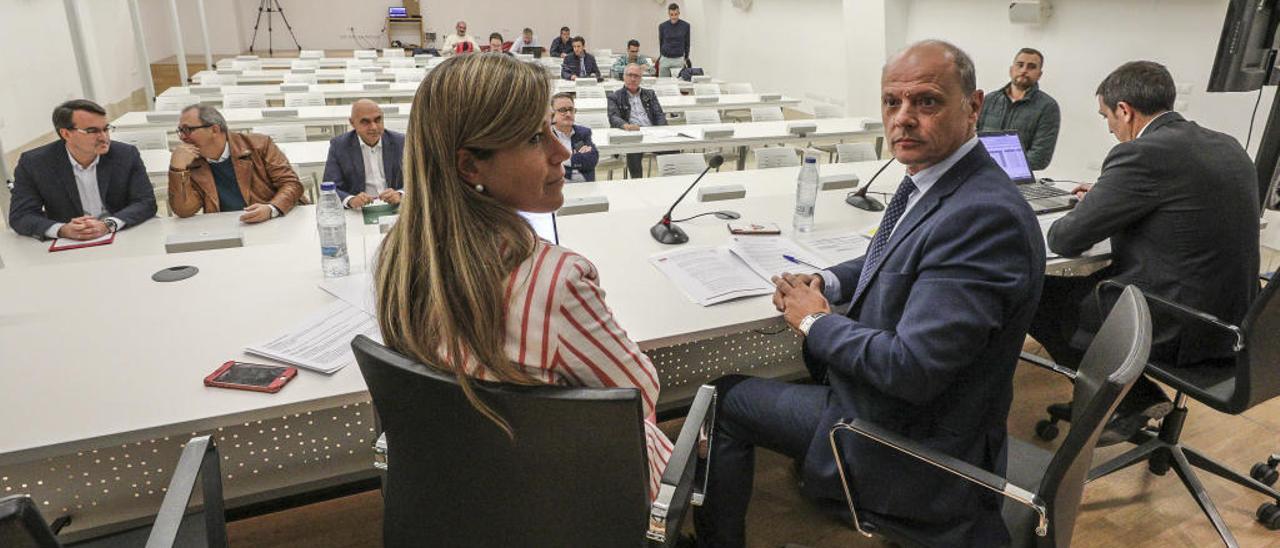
{"x":1082,"y":42}
{"x":39,"y":72}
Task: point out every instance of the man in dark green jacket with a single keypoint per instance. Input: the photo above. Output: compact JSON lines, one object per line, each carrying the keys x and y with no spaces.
{"x":1021,"y":106}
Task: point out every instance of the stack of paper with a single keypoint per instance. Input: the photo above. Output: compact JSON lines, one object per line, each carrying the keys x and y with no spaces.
{"x":710,"y":275}
{"x":322,"y":342}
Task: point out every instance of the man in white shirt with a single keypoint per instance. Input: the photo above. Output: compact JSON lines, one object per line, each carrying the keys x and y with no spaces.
{"x":82,"y":186}
{"x":526,"y":39}
{"x":461,"y":42}
{"x":365,"y":163}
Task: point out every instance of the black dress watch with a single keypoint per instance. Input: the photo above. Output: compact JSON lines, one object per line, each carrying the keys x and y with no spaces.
{"x":112,"y":226}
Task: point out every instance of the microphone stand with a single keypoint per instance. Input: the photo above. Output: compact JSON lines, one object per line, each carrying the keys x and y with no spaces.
{"x":860,"y":199}
{"x":666,"y":232}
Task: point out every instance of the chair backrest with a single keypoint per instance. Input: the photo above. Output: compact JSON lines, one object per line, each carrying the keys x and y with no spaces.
{"x":666,"y":90}
{"x":855,"y":152}
{"x":22,"y":526}
{"x":594,"y":92}
{"x":309,"y":99}
{"x":212,"y":79}
{"x":287,"y":133}
{"x":706,"y":89}
{"x":411,"y":75}
{"x":396,"y":124}
{"x":766,"y":114}
{"x":576,"y":468}
{"x":393,"y":52}
{"x":305,"y":64}
{"x":689,"y":163}
{"x":702,"y":116}
{"x":1114,"y":360}
{"x":304,"y":78}
{"x":254,"y":64}
{"x":593,"y":120}
{"x":356,"y":76}
{"x":402,"y":62}
{"x":740,"y":87}
{"x":1258,"y":364}
{"x":155,"y":139}
{"x":358,"y":62}
{"x":824,"y":110}
{"x":175,"y":102}
{"x":776,"y":157}
{"x":311,"y":54}
{"x":365,"y":54}
{"x":244,"y":100}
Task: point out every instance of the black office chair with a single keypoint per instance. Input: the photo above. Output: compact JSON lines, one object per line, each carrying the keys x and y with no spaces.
{"x":1046,"y":516}
{"x":1232,"y":386}
{"x":21,"y":525}
{"x":575,"y":474}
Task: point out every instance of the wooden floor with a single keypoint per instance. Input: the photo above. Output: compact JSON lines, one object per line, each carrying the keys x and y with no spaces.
{"x":1130,"y":509}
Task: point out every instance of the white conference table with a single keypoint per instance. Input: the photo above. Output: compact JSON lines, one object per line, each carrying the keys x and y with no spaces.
{"x":329,"y":115}
{"x":108,"y":364}
{"x":310,"y":156}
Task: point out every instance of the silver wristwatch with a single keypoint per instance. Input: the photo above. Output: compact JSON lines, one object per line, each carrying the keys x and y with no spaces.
{"x":807,"y":322}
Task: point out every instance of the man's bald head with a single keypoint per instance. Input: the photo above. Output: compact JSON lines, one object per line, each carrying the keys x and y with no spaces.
{"x":366,"y":120}
{"x":929,"y":103}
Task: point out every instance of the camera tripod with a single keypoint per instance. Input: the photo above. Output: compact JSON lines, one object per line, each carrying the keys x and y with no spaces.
{"x":271,"y":7}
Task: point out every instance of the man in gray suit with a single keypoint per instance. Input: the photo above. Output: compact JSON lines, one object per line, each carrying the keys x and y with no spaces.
{"x":1180,"y":205}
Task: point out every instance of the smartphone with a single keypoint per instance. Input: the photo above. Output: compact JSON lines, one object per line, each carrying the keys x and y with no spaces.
{"x":257,"y":377}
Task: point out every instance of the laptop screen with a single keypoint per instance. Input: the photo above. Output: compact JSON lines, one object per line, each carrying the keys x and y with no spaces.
{"x":1006,"y":150}
{"x":397,"y":12}
{"x":544,"y":224}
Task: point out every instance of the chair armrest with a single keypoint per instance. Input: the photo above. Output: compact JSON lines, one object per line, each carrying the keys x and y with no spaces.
{"x":676,"y":488}
{"x":957,"y":467}
{"x":199,"y":460}
{"x":1048,"y":364}
{"x":1184,"y":310}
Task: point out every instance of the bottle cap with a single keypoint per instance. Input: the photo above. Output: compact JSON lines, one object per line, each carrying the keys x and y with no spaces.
{"x":328,"y":185}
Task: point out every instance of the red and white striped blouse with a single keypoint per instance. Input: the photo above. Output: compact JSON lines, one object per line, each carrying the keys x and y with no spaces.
{"x":560,"y":330}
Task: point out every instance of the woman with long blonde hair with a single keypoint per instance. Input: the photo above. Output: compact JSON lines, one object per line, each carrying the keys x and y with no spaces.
{"x":462,"y":281}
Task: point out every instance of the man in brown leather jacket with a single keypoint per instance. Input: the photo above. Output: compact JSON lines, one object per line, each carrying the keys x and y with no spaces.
{"x":216,"y":170}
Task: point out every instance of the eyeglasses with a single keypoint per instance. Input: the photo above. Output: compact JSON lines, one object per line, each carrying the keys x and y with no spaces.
{"x":186,"y":130}
{"x":94,"y":130}
{"x":566,"y":110}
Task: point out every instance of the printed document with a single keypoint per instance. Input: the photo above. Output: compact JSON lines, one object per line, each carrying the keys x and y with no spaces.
{"x":323,"y":341}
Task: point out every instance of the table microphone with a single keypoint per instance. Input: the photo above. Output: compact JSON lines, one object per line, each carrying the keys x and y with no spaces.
{"x":860,"y":199}
{"x":667,"y":233}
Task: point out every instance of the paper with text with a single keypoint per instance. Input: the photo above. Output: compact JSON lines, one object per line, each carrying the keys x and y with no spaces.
{"x":322,"y":342}
{"x":765,"y":255}
{"x":710,"y":275}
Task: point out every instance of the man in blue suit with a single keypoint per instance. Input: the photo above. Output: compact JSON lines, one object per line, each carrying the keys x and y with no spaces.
{"x":365,"y":162}
{"x":580,"y":167}
{"x":81,"y":186}
{"x":938,"y":311}
{"x":579,"y":63}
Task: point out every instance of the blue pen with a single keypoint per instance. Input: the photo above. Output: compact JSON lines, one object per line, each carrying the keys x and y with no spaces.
{"x":800,"y":262}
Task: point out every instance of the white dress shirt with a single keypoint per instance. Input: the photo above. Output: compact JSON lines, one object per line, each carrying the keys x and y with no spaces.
{"x":567,"y":141}
{"x":374,"y":180}
{"x":90,"y":196}
{"x":923,"y":180}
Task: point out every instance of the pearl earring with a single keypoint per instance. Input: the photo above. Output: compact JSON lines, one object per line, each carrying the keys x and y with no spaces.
{"x":480,"y":189}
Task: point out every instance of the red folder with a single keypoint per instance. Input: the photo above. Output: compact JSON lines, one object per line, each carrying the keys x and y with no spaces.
{"x":73,"y":244}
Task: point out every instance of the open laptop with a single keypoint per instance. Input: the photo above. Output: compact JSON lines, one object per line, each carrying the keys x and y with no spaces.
{"x":535,"y":51}
{"x":1005,"y":148}
{"x":544,"y":224}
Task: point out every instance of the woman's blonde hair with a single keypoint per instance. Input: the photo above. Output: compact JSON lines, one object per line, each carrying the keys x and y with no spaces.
{"x":442,"y":270}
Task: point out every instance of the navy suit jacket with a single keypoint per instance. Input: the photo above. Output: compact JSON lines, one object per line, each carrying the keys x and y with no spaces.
{"x":45,"y":192}
{"x":927,"y":350}
{"x":345,"y":166}
{"x":584,"y":163}
{"x":571,"y":68}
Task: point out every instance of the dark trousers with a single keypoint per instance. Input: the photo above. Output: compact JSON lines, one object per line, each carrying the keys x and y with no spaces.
{"x":751,"y":412}
{"x":635,"y":165}
{"x":1067,"y":318}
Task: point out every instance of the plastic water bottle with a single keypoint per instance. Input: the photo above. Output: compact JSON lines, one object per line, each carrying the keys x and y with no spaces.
{"x":806,"y":195}
{"x":331,"y":221}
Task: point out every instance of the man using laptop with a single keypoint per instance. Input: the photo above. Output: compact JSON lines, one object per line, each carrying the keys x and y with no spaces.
{"x":1021,"y":106}
{"x":1180,"y":205}
{"x":525,"y":40}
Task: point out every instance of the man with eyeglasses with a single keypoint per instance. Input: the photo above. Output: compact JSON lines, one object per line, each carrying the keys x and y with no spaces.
{"x":82,"y":186}
{"x":215,"y":170}
{"x":365,"y":163}
{"x":580,"y":167}
{"x":632,"y":107}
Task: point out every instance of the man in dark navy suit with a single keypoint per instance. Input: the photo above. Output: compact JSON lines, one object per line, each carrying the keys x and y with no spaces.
{"x":579,"y":63}
{"x":939,"y":310}
{"x":83,"y":185}
{"x":365,"y":163}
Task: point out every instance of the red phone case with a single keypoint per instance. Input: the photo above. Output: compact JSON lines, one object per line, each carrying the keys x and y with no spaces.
{"x":289,"y":373}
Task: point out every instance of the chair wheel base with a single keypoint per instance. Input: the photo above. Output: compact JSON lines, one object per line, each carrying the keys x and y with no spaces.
{"x":1264,"y":473}
{"x":1047,"y":429}
{"x":1269,"y":516}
